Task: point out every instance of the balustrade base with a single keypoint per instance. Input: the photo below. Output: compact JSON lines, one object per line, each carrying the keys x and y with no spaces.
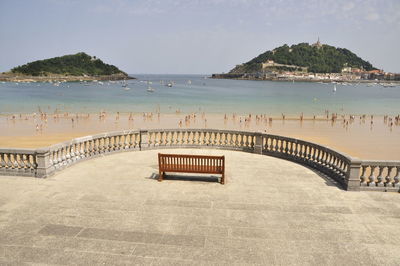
{"x":382,"y":189}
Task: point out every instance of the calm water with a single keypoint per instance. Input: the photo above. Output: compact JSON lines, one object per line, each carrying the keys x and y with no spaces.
{"x":208,"y":95}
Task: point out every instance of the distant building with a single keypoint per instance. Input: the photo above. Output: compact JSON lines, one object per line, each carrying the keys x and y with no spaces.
{"x":318,"y":44}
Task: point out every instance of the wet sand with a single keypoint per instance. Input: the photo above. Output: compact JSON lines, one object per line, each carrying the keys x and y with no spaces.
{"x":357,"y":138}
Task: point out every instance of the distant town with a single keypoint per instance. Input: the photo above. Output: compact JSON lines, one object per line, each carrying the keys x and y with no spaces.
{"x":348,"y":74}
{"x":326,"y":68}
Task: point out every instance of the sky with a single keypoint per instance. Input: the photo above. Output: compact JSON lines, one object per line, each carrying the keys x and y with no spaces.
{"x":194,"y":36}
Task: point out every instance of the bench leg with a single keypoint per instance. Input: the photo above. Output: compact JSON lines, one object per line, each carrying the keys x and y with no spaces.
{"x":160,"y":176}
{"x":223,"y":179}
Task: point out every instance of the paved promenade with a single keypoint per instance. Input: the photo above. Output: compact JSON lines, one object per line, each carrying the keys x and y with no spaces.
{"x":112,"y":211}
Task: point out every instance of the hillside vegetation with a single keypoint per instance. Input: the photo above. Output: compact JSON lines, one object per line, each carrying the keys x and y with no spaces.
{"x":79,"y":64}
{"x":322,"y":59}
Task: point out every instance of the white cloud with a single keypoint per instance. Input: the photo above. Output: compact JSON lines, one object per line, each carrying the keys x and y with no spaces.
{"x":372,"y":16}
{"x":348,"y":6}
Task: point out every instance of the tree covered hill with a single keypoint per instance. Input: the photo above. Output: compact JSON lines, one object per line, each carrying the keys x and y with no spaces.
{"x":318,"y":58}
{"x":79,"y":64}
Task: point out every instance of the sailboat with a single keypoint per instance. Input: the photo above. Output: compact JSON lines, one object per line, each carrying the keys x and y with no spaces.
{"x":124,"y":83}
{"x":334,"y":88}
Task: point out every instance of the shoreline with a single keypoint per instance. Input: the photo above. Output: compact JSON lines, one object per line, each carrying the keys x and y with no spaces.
{"x":380,"y":82}
{"x":10,"y":77}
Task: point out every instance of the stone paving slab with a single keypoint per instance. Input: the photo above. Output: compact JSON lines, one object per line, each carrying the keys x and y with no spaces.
{"x":112,"y":211}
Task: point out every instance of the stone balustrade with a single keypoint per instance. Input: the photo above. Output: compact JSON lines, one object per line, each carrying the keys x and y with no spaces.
{"x":233,"y":140}
{"x":21,"y":162}
{"x":322,"y":158}
{"x":380,"y":175}
{"x":351,"y":173}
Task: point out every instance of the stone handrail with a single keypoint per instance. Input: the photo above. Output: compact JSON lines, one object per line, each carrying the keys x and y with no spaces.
{"x":351,"y":173}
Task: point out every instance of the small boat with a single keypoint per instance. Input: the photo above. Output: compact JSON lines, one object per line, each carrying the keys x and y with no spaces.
{"x":126,"y":88}
{"x":150,"y":89}
{"x":389,"y":85}
{"x":169,"y":84}
{"x":334,"y":88}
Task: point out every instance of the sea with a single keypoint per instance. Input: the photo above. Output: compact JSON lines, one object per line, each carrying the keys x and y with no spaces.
{"x":199,"y":93}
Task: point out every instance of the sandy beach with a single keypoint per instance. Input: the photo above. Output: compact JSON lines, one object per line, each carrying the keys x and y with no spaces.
{"x":366,"y":138}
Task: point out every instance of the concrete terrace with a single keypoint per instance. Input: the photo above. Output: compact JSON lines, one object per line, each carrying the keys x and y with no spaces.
{"x":111,"y":211}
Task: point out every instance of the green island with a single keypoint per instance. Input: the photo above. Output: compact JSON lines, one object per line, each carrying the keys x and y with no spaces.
{"x":76,"y":67}
{"x":308,"y":62}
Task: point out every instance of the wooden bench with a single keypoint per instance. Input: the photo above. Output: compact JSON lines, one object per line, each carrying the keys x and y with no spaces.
{"x":191,"y":164}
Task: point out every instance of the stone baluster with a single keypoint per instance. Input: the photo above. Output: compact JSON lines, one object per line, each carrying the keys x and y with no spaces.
{"x":55,"y":158}
{"x":126,"y":141}
{"x":114,"y":143}
{"x":109,"y":144}
{"x":8,"y":162}
{"x":29,"y":164}
{"x":81,"y":150}
{"x":220,"y":138}
{"x":280,"y":145}
{"x":115,"y":140}
{"x":71,"y":154}
{"x":169,"y":139}
{"x":75,"y":154}
{"x":172,"y":138}
{"x":229,"y":140}
{"x":86,"y":152}
{"x":303,"y":151}
{"x":371,"y":177}
{"x":396,"y":178}
{"x":22,"y":164}
{"x":379,"y":178}
{"x":180,"y":138}
{"x":323,"y":158}
{"x":363,"y":178}
{"x":200,"y":139}
{"x":119,"y":144}
{"x":189,"y":138}
{"x":334,"y":164}
{"x":274,"y":144}
{"x":309,"y":155}
{"x":18,"y":163}
{"x":388,"y":179}
{"x":285,"y":144}
{"x":132,"y":141}
{"x":77,"y":151}
{"x":100,"y":145}
{"x":158,"y":138}
{"x":95,"y":146}
{"x":292,"y":148}
{"x":2,"y":161}
{"x":67,"y":155}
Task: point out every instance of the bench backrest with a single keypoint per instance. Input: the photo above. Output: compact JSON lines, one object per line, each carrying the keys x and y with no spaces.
{"x":192,"y":162}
